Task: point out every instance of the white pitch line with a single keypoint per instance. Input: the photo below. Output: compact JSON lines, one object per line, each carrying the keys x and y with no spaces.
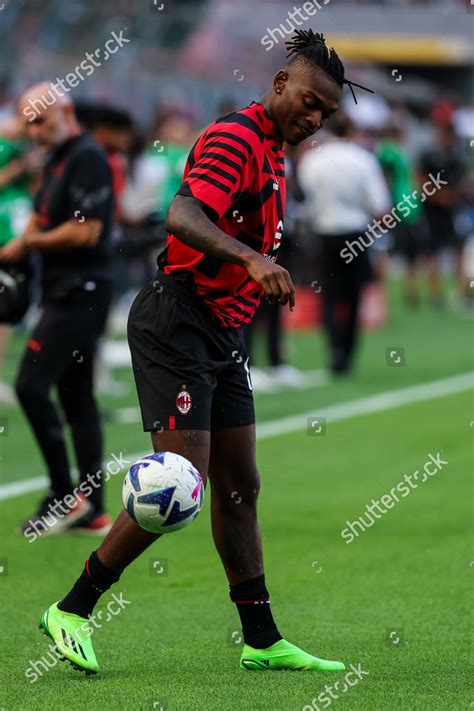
{"x":368,"y":405}
{"x":16,"y":488}
{"x":332,"y":413}
{"x":127,"y":415}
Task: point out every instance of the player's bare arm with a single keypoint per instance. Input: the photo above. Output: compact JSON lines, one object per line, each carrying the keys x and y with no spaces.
{"x":69,"y":235}
{"x":188,"y":221}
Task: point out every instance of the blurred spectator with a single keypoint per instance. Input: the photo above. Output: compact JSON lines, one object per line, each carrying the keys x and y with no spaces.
{"x":369,"y":115}
{"x":279,"y":371}
{"x":345,"y":189}
{"x":401,"y":178}
{"x":464,"y":121}
{"x":113,"y":129}
{"x":7,"y":104}
{"x":69,"y":229}
{"x":15,"y":210}
{"x":158,"y":173}
{"x":446,"y":159}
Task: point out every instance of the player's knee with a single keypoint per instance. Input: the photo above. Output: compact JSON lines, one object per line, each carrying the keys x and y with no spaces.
{"x":254,"y":486}
{"x":29,"y":390}
{"x":79,"y":408}
{"x":240,"y":491}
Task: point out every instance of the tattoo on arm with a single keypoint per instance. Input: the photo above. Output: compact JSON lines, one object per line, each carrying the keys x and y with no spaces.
{"x":189,"y":223}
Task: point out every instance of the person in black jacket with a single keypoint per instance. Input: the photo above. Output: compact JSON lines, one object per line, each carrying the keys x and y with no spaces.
{"x":70,"y":230}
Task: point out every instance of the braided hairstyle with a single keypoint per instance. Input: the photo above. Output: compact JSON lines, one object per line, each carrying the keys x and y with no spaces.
{"x":311,"y":47}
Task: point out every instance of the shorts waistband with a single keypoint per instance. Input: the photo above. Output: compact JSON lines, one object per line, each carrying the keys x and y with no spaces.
{"x":183,"y":290}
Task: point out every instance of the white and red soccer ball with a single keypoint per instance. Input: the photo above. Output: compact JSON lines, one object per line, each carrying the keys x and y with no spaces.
{"x":163,"y":492}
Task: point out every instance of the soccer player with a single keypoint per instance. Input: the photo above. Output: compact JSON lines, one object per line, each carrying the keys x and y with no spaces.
{"x":70,"y":230}
{"x":190,"y":365}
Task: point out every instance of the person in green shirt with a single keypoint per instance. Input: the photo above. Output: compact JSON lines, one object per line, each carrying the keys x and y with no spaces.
{"x":158,"y":172}
{"x":15,"y":209}
{"x":401,"y":179}
{"x":15,"y":199}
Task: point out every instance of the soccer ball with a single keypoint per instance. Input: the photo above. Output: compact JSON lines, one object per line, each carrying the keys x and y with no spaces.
{"x":163,"y":492}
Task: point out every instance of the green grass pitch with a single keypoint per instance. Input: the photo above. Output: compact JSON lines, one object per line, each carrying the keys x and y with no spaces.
{"x":397,"y":600}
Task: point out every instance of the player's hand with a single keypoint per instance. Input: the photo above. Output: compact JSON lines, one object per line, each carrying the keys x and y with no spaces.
{"x":13,"y":251}
{"x":275,"y":280}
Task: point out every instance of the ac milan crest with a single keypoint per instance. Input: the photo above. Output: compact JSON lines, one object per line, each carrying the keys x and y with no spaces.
{"x":184,"y":401}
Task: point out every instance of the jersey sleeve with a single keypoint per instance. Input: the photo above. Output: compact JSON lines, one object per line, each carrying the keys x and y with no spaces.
{"x":90,"y":186}
{"x":219,"y":169}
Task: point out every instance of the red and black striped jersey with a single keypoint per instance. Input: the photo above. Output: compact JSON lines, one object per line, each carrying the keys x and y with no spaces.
{"x":236,"y":169}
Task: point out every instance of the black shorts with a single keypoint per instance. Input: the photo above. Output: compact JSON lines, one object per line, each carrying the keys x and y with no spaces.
{"x":442,"y":233}
{"x":409,"y":240}
{"x":190,"y":372}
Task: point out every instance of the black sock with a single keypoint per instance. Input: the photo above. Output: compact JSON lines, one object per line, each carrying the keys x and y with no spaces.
{"x":95,"y":579}
{"x":253,"y":605}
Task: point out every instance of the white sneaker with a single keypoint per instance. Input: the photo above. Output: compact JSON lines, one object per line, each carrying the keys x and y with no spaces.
{"x":7,"y":394}
{"x":261,"y":381}
{"x":108,"y":385}
{"x":62,"y":522}
{"x":285,"y":374}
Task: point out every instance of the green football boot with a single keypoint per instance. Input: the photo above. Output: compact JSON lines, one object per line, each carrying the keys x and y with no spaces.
{"x":72,"y":636}
{"x":283,"y":655}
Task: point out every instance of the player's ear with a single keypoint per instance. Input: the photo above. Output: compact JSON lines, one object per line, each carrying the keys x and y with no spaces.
{"x":279,"y":81}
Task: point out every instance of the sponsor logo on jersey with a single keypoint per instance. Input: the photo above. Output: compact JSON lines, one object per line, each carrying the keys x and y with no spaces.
{"x":278,"y":234}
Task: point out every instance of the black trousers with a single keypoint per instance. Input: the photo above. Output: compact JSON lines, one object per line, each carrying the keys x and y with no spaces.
{"x":60,"y":354}
{"x":341,"y":289}
{"x":271,"y":315}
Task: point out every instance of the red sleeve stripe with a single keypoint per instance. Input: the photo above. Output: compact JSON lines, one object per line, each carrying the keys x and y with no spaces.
{"x":226,"y":147}
{"x":223,"y":159}
{"x":208,"y":179}
{"x":212,"y":168}
{"x":245,"y":121}
{"x":241,"y":141}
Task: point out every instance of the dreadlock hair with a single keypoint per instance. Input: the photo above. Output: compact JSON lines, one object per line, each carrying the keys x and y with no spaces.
{"x":311,"y":47}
